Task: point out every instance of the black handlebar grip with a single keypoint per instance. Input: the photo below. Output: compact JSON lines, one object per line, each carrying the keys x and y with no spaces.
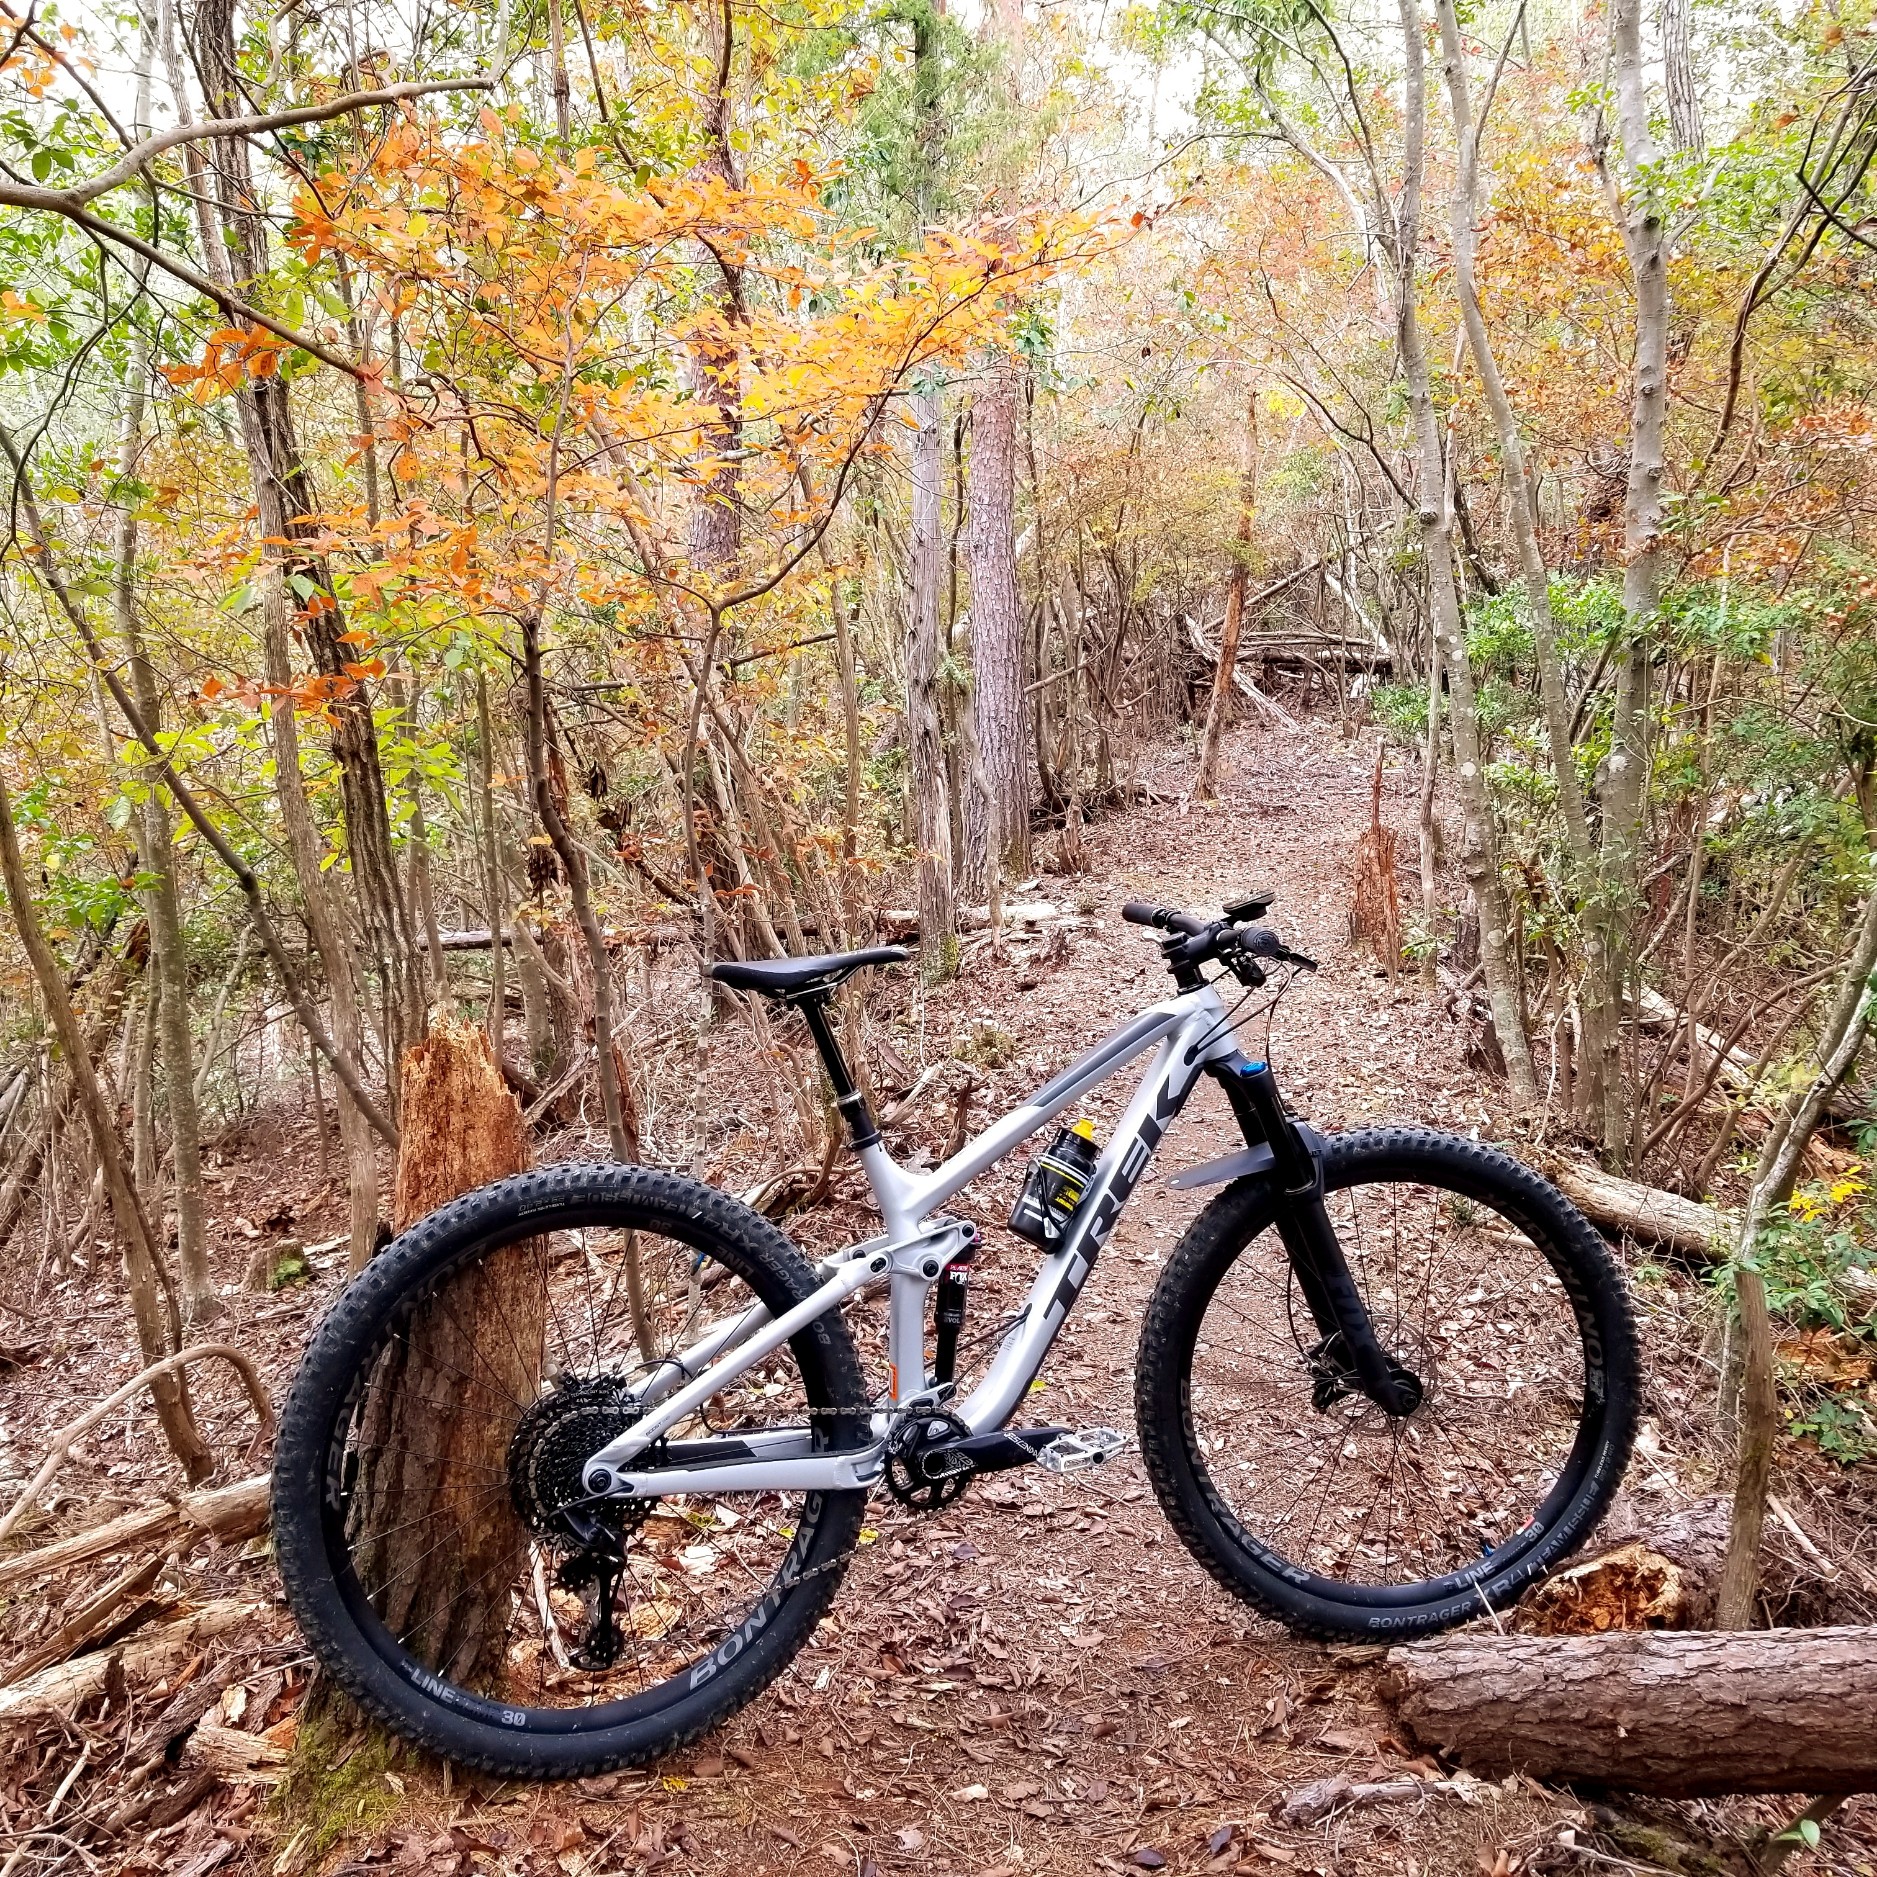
{"x":1138,"y":912}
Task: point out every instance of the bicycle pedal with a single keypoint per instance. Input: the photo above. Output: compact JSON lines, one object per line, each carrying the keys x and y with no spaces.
{"x":1077,"y":1452}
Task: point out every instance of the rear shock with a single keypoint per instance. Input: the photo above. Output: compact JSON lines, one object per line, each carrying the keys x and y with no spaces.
{"x":948,"y":1312}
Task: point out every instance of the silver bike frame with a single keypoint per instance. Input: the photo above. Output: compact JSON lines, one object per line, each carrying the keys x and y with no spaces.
{"x":1191,"y":1030}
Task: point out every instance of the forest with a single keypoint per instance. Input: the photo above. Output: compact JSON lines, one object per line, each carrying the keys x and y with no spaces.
{"x":513,"y":501}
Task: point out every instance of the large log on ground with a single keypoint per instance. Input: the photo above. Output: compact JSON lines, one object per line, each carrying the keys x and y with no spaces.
{"x":1645,"y":1212}
{"x":1676,"y":1714}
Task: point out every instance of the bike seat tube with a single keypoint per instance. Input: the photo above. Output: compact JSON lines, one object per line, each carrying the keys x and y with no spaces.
{"x":861,"y":1131}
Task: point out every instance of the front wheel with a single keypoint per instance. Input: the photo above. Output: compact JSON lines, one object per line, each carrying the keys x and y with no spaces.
{"x":1309,"y":1500}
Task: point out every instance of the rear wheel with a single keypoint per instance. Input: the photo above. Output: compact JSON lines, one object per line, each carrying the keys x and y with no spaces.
{"x":430,"y":1522}
{"x":1309,"y":1500}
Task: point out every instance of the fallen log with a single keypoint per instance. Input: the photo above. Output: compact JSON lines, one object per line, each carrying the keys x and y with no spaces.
{"x":1645,"y":1212}
{"x":57,"y":1693}
{"x":1680,"y":1715}
{"x":237,"y":1511}
{"x":1240,"y":683}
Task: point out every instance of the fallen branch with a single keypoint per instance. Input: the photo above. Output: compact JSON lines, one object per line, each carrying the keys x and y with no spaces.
{"x":1735,"y":1066}
{"x":1240,"y":683}
{"x":225,"y":1512}
{"x":232,"y":1754}
{"x":58,"y":1693}
{"x":1325,"y":1798}
{"x":91,"y":1620}
{"x":67,"y":1436}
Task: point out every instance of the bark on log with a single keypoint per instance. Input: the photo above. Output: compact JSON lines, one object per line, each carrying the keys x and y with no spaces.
{"x":59,"y":1692}
{"x":1644,"y":1212}
{"x":1679,"y":1715}
{"x":438,"y":1553}
{"x":237,"y":1511}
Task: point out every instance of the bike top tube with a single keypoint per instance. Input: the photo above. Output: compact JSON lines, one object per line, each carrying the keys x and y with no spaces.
{"x":906,"y":1200}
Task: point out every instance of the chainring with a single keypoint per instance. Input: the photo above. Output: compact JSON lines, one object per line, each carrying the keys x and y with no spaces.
{"x":912,"y":1446}
{"x":548,"y":1453}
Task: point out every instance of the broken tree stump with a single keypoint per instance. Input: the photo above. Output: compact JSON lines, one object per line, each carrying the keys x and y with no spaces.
{"x":1679,"y":1714}
{"x":438,"y":1551}
{"x":1375,"y":897}
{"x":1663,"y":1576}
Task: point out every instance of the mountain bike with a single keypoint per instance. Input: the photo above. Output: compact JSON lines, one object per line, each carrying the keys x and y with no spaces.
{"x":572,"y":1470}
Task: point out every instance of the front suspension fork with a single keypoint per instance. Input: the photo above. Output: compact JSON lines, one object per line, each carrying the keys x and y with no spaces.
{"x":1316,"y":1253}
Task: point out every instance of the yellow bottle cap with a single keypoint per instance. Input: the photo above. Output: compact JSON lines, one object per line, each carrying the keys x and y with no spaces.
{"x":1084,"y":1127}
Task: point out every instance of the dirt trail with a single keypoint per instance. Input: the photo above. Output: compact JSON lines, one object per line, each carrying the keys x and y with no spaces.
{"x":1040,"y":1679}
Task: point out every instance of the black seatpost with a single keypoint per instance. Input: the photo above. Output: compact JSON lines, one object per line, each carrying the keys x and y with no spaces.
{"x":861,"y":1131}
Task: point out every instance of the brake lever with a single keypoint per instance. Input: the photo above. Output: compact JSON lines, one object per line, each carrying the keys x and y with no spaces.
{"x":1261,"y":942}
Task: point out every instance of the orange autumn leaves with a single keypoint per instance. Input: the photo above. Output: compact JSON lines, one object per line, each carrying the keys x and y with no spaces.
{"x":636,"y":340}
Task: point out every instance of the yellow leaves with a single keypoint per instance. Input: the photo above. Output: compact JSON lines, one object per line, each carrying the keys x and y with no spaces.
{"x":16,"y":309}
{"x":1812,"y":1203}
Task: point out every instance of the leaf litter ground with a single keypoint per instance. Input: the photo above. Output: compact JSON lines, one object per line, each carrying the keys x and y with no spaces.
{"x":1036,"y":1680}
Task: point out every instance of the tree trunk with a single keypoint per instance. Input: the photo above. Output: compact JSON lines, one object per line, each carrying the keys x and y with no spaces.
{"x":155,"y":1314}
{"x":1479,"y":854}
{"x":1518,"y":491}
{"x":1845,"y":1033}
{"x":1678,"y":71}
{"x":1645,"y":236}
{"x":304,"y":844}
{"x":932,"y":821}
{"x":1218,"y":708}
{"x":1675,"y":1713}
{"x":162,"y":904}
{"x":1000,"y":709}
{"x":490,"y":855}
{"x":285,"y":501}
{"x":432,"y":1530}
{"x":1427,"y":826}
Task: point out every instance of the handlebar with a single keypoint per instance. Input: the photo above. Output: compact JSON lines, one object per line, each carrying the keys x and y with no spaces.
{"x":1164,"y":918}
{"x":1221,"y":939}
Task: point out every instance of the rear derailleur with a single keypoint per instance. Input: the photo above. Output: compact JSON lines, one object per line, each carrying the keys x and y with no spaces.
{"x":595,"y":1567}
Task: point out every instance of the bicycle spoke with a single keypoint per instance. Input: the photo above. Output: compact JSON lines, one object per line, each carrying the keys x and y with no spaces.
{"x":1461,"y":1299}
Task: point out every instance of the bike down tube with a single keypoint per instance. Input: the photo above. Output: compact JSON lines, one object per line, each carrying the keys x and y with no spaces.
{"x":1204,"y":1034}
